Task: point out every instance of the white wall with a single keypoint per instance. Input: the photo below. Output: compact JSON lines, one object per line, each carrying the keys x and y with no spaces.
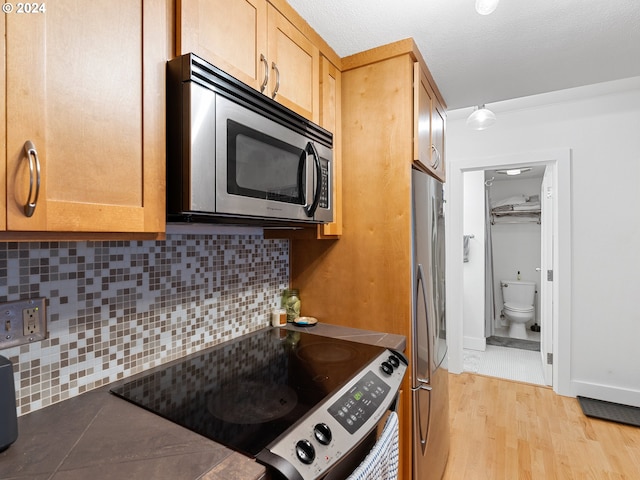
{"x":601,"y":125}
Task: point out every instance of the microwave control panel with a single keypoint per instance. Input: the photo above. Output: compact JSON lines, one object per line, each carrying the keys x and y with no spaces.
{"x":324,"y":189}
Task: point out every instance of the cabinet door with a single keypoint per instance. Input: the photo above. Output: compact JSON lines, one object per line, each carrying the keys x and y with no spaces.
{"x":422,"y":100}
{"x":438,"y":121}
{"x":330,"y":118}
{"x":428,"y":135}
{"x":231,"y":35}
{"x":75,"y":91}
{"x":295,"y":67}
{"x":3,"y":132}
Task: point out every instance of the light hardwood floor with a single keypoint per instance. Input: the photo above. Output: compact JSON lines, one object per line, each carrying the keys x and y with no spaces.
{"x":501,"y":429}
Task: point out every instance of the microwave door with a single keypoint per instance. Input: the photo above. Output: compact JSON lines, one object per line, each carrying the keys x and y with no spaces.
{"x":261,"y":166}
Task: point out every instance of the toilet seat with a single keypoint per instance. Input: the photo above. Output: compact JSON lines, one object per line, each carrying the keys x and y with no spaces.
{"x":518,"y":308}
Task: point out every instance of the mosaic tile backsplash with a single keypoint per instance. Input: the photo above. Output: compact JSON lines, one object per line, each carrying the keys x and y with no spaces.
{"x":118,"y":308}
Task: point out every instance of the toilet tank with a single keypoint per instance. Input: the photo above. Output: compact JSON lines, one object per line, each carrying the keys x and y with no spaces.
{"x":517,"y":292}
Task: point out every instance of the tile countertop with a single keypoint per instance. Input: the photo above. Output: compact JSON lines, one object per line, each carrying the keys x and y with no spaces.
{"x":100,"y":436}
{"x":387,"y":340}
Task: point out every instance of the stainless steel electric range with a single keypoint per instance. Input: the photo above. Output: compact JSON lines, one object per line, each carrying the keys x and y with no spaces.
{"x":301,"y":404}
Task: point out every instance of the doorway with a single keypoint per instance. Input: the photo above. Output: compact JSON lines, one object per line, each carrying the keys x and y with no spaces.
{"x":504,"y":213}
{"x":558,"y":163}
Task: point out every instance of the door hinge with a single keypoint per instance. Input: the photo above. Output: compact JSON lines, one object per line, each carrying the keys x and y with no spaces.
{"x":549,"y":275}
{"x":549,"y":358}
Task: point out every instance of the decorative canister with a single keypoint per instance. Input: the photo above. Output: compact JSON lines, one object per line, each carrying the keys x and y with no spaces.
{"x":278,"y":317}
{"x":291,"y":302}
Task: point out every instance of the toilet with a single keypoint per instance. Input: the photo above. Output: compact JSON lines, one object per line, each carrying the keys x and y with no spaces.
{"x":518,"y":305}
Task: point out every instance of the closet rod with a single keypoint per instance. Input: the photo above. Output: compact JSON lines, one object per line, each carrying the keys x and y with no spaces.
{"x":493,"y":222}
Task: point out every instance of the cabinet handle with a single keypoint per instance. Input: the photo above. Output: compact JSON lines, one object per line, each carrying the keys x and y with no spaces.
{"x":32,"y":153}
{"x":263,"y":59}
{"x":275,"y":90}
{"x":437,"y":158}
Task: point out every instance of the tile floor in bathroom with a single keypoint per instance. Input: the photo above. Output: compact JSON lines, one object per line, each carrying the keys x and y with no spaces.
{"x":504,"y":332}
{"x":503,"y":362}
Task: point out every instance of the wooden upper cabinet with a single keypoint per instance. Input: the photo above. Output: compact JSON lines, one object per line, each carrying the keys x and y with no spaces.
{"x":331,"y":119}
{"x":3,"y":133}
{"x":422,"y":123}
{"x":295,"y":67}
{"x":428,"y":135}
{"x":77,"y":111}
{"x":255,"y":43}
{"x":230,"y":34}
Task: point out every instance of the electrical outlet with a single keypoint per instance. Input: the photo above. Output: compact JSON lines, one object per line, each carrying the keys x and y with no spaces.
{"x":31,"y":321}
{"x":24,"y":321}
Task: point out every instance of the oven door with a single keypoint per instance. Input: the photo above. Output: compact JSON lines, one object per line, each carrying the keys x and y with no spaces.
{"x":264,"y":169}
{"x":376,"y":457}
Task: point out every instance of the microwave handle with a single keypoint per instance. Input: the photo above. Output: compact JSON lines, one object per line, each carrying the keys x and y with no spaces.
{"x":310,"y":210}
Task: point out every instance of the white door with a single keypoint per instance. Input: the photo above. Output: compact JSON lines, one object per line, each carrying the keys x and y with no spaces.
{"x":546,"y":276}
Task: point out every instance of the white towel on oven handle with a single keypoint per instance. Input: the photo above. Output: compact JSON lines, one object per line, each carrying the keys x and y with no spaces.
{"x":381,"y":463}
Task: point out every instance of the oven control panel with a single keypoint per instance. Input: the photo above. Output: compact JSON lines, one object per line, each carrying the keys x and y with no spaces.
{"x":331,"y":430}
{"x":362,"y":401}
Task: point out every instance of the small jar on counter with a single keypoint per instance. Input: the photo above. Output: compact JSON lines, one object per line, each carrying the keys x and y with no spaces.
{"x":278,"y":317}
{"x":291,"y":303}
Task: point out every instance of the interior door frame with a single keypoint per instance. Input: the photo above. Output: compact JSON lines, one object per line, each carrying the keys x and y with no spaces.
{"x":560,"y":161}
{"x":547,"y":192}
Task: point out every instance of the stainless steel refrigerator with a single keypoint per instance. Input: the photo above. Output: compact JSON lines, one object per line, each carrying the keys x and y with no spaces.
{"x":429,"y":375}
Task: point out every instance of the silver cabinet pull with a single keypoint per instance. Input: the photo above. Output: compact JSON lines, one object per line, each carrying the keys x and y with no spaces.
{"x":436,"y":162}
{"x":275,"y":90}
{"x":32,"y":153}
{"x":265,"y":81}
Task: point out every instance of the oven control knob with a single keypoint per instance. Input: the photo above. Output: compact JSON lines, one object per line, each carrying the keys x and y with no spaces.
{"x":305,"y":452}
{"x":387,"y":368}
{"x":393,"y":360}
{"x":322,"y":433}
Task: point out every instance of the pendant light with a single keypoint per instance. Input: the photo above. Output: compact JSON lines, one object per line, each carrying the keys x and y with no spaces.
{"x":485,"y":7}
{"x":481,"y":118}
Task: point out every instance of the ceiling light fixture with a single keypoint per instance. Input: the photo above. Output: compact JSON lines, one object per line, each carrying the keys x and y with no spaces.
{"x":514,"y":171}
{"x":485,"y":7}
{"x":481,"y":118}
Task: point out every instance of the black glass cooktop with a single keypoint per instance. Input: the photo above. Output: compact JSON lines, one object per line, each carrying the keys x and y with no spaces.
{"x":246,"y":392}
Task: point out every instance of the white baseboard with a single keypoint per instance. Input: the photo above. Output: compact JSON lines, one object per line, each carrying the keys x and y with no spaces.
{"x":474,"y":343}
{"x":607,"y":393}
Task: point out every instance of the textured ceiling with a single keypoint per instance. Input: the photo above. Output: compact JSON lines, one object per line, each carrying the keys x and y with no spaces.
{"x":524,"y":48}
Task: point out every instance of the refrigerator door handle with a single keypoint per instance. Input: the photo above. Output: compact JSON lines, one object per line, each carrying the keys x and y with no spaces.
{"x":421,"y":415}
{"x":427,"y":342}
{"x":422,"y":387}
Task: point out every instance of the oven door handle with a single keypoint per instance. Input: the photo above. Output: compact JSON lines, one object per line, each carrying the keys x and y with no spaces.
{"x":310,"y":210}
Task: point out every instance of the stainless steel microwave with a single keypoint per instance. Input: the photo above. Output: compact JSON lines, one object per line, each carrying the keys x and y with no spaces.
{"x":235,"y":155}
